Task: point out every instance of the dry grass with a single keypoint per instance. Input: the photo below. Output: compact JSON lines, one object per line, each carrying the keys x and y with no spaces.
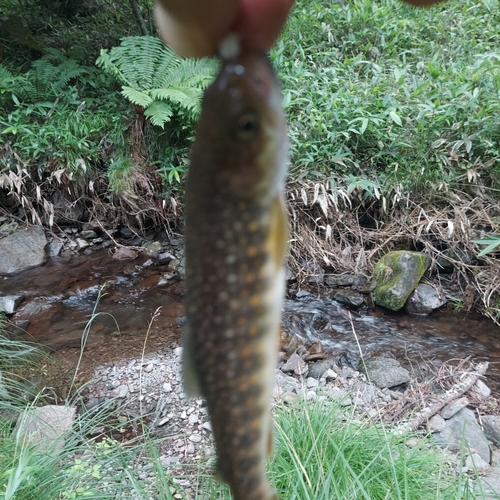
{"x":342,"y":233}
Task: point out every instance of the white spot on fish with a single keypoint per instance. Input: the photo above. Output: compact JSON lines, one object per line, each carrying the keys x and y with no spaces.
{"x":231,"y":259}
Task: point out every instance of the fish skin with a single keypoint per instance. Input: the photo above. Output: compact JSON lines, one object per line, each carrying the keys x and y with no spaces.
{"x":235,"y":239}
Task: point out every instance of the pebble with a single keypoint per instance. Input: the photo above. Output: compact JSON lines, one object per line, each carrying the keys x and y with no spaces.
{"x":161,"y":392}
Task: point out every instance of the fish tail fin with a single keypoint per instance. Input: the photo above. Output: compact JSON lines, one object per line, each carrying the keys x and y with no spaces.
{"x":191,"y":382}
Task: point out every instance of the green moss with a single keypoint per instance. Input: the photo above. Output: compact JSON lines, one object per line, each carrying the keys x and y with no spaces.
{"x":397,"y":275}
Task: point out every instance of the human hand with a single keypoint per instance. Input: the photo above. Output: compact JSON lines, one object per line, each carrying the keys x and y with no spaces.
{"x":195,"y":28}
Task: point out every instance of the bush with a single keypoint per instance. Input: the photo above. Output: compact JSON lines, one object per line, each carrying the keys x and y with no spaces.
{"x":380,"y":90}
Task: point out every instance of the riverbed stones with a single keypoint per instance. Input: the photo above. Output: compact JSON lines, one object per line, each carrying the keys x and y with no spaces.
{"x":462,"y":430}
{"x":22,"y":250}
{"x":397,"y":275}
{"x":349,"y":298}
{"x":385,"y":372}
{"x":491,"y":426}
{"x":296,"y":365}
{"x":125,"y":253}
{"x":424,"y":299}
{"x":454,"y":407}
{"x":45,"y":427}
{"x":9,"y":303}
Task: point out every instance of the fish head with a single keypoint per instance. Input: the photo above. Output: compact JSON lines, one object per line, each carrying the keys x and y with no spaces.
{"x":244,"y":123}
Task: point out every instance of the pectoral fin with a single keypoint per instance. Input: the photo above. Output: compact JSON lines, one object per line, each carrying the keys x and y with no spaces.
{"x":191,"y":383}
{"x":278,"y":237}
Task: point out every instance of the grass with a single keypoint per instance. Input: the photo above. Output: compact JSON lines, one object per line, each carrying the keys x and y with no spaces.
{"x":381,"y":91}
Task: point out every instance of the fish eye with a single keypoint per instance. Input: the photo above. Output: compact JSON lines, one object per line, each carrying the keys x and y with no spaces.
{"x":247,"y":126}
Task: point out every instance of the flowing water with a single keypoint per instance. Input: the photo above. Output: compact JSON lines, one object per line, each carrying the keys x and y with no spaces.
{"x":62,"y":295}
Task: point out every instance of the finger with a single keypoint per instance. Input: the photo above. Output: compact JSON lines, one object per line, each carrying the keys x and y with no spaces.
{"x":259,"y":22}
{"x":193,"y":28}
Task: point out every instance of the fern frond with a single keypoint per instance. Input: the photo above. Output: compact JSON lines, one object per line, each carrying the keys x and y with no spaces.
{"x":188,"y":98}
{"x":191,"y":73}
{"x":136,"y":97}
{"x":7,"y":80}
{"x":156,"y":78}
{"x":53,"y":71}
{"x":137,"y":59}
{"x":159,"y":113}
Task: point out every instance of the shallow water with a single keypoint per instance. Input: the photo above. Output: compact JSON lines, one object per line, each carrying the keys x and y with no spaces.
{"x":440,"y":336}
{"x":61,"y":296}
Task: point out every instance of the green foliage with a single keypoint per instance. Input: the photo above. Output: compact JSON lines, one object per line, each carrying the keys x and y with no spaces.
{"x":380,"y":89}
{"x":52,"y":119}
{"x":155,"y":78}
{"x":492,"y":242}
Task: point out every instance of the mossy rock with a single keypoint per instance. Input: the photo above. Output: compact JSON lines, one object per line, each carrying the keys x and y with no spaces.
{"x":397,"y":275}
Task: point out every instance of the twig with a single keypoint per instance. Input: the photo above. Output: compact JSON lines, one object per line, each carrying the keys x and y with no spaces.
{"x":468,"y":380}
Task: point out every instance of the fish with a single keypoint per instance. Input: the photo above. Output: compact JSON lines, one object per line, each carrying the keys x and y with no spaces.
{"x":236,"y":234}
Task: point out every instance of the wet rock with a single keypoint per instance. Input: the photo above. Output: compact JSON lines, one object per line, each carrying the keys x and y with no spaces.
{"x":296,"y":365}
{"x":491,"y":426}
{"x":318,"y":370}
{"x":164,"y":258}
{"x":366,"y":288}
{"x":397,"y":275}
{"x":385,"y":372}
{"x":125,"y":232}
{"x":45,"y":427}
{"x":82,"y":244}
{"x":89,"y":234}
{"x":454,"y":407}
{"x":54,"y":248}
{"x":350,"y":360}
{"x":9,"y":303}
{"x":349,"y":298}
{"x":22,"y":250}
{"x":424,"y":299}
{"x":125,"y":253}
{"x":343,"y":280}
{"x":463,"y":430}
{"x":152,"y":247}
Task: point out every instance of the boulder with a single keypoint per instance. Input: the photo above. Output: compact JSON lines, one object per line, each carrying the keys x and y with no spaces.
{"x":22,"y":250}
{"x":424,"y":299}
{"x":462,"y":431}
{"x":45,"y":427}
{"x":9,"y":303}
{"x":397,"y":275}
{"x":491,"y":426}
{"x":385,"y":372}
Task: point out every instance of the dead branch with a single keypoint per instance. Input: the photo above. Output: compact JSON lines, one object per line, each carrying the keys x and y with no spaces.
{"x":457,"y":390}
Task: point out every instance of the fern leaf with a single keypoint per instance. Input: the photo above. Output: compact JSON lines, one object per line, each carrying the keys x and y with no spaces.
{"x":188,"y":98}
{"x":136,"y":97}
{"x":159,"y":113}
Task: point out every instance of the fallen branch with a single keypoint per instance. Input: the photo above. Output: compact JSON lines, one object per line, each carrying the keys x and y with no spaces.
{"x":468,"y":380}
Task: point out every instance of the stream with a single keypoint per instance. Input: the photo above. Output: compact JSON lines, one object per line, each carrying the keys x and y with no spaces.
{"x":62,"y":295}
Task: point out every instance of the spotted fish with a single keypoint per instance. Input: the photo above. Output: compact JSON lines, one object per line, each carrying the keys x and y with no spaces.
{"x":235,"y":239}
